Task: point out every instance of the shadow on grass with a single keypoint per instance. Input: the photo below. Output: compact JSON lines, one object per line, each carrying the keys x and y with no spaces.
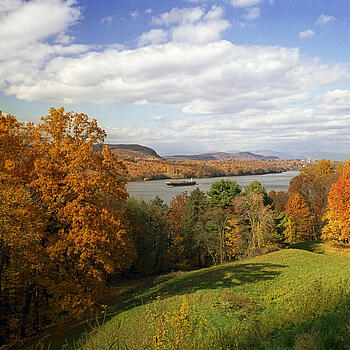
{"x":311,"y":246}
{"x":224,"y":276}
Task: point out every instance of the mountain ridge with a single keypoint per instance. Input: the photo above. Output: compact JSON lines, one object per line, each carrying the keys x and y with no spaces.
{"x":222,"y":156}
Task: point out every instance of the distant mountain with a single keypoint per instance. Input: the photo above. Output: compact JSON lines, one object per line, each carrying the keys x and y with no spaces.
{"x":281,"y":155}
{"x":133,"y":150}
{"x":222,"y":156}
{"x":306,"y":155}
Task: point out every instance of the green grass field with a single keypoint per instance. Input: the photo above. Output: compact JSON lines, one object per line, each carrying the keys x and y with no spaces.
{"x":290,"y":299}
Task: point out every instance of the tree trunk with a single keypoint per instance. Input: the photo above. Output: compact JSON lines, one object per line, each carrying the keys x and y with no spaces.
{"x":25,"y":310}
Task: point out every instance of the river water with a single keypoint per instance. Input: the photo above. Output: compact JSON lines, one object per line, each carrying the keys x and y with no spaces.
{"x":147,"y":190}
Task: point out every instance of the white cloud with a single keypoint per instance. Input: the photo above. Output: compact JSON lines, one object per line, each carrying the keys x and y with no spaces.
{"x":19,"y":27}
{"x":177,"y":15}
{"x":193,"y":25}
{"x":107,"y":19}
{"x":208,"y":29}
{"x":245,"y":3}
{"x":212,"y":78}
{"x":252,"y":14}
{"x":335,"y":102}
{"x":306,"y":34}
{"x":324,"y":19}
{"x":153,"y":37}
{"x":24,"y":46}
{"x":148,"y":11}
{"x":64,"y":39}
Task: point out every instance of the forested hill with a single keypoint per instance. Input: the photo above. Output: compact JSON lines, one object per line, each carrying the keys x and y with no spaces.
{"x":134,"y":148}
{"x":222,"y":156}
{"x":127,"y":150}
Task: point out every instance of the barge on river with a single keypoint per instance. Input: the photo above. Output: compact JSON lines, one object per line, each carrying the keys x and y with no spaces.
{"x":181,"y":183}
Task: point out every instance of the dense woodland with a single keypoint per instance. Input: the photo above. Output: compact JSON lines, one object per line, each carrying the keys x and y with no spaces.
{"x":68,"y":229}
{"x":140,"y":167}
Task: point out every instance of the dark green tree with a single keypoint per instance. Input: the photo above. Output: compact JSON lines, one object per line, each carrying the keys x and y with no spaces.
{"x":222,"y":192}
{"x":193,"y":224}
{"x":150,"y":228}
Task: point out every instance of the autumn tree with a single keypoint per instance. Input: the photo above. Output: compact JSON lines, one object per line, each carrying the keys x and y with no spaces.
{"x":301,"y":224}
{"x":80,"y":237}
{"x":233,"y":239}
{"x":257,"y":187}
{"x":21,"y":230}
{"x":256,"y":220}
{"x":211,"y":234}
{"x":279,"y":199}
{"x":337,"y":228}
{"x":313,"y":184}
{"x":80,"y":190}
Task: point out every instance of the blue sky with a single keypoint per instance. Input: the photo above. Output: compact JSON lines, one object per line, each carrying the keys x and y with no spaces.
{"x":185,"y":76}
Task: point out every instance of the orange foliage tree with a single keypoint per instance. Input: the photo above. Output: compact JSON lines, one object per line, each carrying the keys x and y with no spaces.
{"x":65,"y":211}
{"x":301,"y":227}
{"x":338,"y":214}
{"x":314,"y":183}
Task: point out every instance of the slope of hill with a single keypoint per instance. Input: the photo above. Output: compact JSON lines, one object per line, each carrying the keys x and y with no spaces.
{"x":276,"y":301}
{"x":222,"y":156}
{"x":135,"y":147}
{"x":132,"y":150}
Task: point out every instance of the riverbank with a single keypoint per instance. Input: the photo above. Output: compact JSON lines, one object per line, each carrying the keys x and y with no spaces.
{"x":165,"y":177}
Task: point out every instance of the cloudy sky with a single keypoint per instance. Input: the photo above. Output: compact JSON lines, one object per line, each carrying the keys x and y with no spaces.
{"x":185,"y":76}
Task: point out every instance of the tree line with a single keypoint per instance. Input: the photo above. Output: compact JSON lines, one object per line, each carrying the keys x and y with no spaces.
{"x":140,"y":168}
{"x":68,"y":228}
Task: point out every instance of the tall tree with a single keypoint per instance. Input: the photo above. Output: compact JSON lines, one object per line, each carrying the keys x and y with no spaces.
{"x":222,"y":192}
{"x":211,"y":234}
{"x":256,"y":220}
{"x":193,"y":224}
{"x":257,"y":187}
{"x":52,"y":169}
{"x":303,"y":220}
{"x":313,"y":184}
{"x":176,"y":215}
{"x":338,"y":213}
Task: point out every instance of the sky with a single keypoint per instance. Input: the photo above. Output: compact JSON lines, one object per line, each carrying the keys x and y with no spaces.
{"x":185,"y":76}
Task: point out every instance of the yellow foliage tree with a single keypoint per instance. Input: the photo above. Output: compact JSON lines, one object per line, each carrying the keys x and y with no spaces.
{"x":301,"y":227}
{"x":233,"y":238}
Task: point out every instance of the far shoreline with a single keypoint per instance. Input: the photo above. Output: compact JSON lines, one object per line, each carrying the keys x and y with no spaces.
{"x":209,"y":177}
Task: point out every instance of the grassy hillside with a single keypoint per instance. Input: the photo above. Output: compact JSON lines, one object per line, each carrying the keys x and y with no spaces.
{"x":290,"y":299}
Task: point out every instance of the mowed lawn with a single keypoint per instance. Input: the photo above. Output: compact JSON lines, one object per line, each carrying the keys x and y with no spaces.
{"x":290,"y":299}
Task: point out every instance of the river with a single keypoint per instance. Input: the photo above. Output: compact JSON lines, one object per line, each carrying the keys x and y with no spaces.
{"x":147,"y":190}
